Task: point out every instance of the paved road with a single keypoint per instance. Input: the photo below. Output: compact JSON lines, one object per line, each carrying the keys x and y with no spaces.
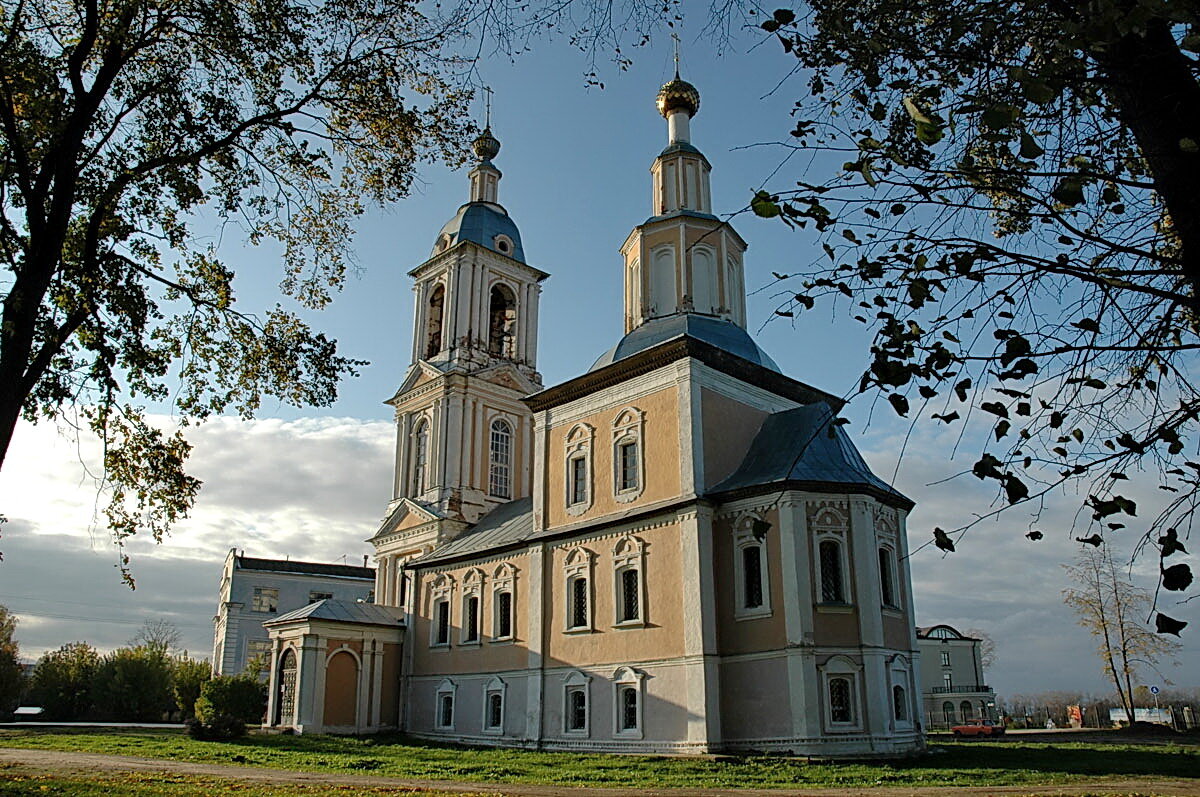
{"x":14,"y":761}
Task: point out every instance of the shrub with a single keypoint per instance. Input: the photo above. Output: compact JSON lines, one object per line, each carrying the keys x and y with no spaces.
{"x":236,"y":695}
{"x":62,"y":680}
{"x":188,"y":677}
{"x":221,"y":729}
{"x":133,"y":684}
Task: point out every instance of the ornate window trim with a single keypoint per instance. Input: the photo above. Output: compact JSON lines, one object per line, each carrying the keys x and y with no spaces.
{"x":447,"y":688}
{"x":743,"y":539}
{"x":472,"y":590}
{"x":578,"y":446}
{"x":842,"y":667}
{"x":576,"y":681}
{"x":504,"y":580}
{"x":628,"y":678}
{"x":495,"y":686}
{"x":629,"y":555}
{"x":441,"y":590}
{"x":578,"y":564}
{"x":629,"y":428}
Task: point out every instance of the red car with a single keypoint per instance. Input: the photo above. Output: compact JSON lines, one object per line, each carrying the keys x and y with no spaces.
{"x":978,"y":728}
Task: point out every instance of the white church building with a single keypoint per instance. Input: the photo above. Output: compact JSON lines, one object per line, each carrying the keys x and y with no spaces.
{"x":676,"y":551}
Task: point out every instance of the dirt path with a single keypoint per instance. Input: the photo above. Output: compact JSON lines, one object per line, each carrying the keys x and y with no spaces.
{"x":63,"y":763}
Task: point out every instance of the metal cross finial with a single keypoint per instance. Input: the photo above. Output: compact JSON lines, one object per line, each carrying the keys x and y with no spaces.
{"x":487,"y":119}
{"x":675,"y":36}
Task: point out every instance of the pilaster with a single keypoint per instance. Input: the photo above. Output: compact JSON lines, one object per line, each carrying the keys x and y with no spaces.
{"x":700,"y":628}
{"x":536,"y":641}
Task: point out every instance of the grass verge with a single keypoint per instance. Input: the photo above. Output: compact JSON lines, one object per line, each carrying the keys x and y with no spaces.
{"x":1005,"y":763}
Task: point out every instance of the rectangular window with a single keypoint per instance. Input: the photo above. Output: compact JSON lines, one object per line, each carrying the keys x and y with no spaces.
{"x":495,"y":710}
{"x":831,"y":572}
{"x":840,"y":707}
{"x":442,"y":618}
{"x":629,"y":466}
{"x":503,"y":614}
{"x":629,"y":595}
{"x":266,"y":599}
{"x":446,"y":711}
{"x":886,"y":584}
{"x":629,"y":708}
{"x":752,"y":577}
{"x":578,"y":480}
{"x":577,"y":710}
{"x":313,"y":597}
{"x":945,"y":658}
{"x":579,"y":602}
{"x":946,"y":681}
{"x":403,"y":593}
{"x":471,"y":621}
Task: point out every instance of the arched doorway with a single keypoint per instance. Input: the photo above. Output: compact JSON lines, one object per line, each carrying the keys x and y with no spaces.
{"x":965,"y":707}
{"x":948,"y":712}
{"x":285,"y":703}
{"x":341,"y":690}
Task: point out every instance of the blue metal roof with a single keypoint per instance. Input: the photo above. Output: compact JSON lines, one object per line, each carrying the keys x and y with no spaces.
{"x":342,"y":612}
{"x":803,"y":444}
{"x":481,"y":222}
{"x":506,"y":524}
{"x":718,"y":332}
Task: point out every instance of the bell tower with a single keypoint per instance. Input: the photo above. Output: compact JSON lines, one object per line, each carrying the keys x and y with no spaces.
{"x":683,"y":259}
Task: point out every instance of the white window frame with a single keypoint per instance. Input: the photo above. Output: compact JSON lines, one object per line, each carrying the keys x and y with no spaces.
{"x":495,"y":686}
{"x":579,"y":446}
{"x":842,"y":667}
{"x":576,"y":681}
{"x":441,"y":589}
{"x":629,"y":428}
{"x":944,"y":657}
{"x":578,"y":563}
{"x":504,"y":580}
{"x":495,"y":466}
{"x":472,"y":588}
{"x":444,"y":689}
{"x":628,"y":678}
{"x":743,"y":537}
{"x":889,"y":552}
{"x":847,"y":593}
{"x":629,"y":553}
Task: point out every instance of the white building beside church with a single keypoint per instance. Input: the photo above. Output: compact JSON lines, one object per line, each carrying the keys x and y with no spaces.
{"x":676,"y":551}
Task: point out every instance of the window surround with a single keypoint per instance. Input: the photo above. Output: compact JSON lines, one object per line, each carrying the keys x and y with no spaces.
{"x":628,"y":678}
{"x":495,"y":686}
{"x":900,"y":680}
{"x":576,"y":681}
{"x":446,"y":688}
{"x":441,"y":590}
{"x":472,"y":588}
{"x":743,"y":538}
{"x":833,"y":669}
{"x":629,"y":554}
{"x":579,"y":446}
{"x":577,"y":564}
{"x":503,"y":580}
{"x":629,"y":428}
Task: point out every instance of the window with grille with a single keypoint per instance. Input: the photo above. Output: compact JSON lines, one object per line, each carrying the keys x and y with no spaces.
{"x":495,"y":710}
{"x":446,"y":711}
{"x":579,"y":602}
{"x":266,"y":599}
{"x":899,"y":703}
{"x":752,"y":577}
{"x":420,"y":458}
{"x":578,"y":480}
{"x":500,"y":468}
{"x":627,"y":458}
{"x":503,"y":614}
{"x":577,"y":710}
{"x":630,"y":608}
{"x":831,"y":572}
{"x":887,"y":586}
{"x":629,"y":708}
{"x":840,"y":709}
{"x":471,"y":621}
{"x":442,"y":616}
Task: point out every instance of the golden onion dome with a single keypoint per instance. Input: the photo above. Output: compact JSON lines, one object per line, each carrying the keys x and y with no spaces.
{"x":676,"y":95}
{"x":486,"y":146}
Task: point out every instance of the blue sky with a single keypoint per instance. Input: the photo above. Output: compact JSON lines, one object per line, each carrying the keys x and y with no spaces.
{"x":311,"y":484}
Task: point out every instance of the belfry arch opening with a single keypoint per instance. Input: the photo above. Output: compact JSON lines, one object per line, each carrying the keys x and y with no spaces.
{"x":433,"y":337}
{"x":502,"y":322}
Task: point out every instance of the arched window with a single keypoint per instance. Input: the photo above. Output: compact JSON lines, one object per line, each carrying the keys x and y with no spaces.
{"x":629,"y":708}
{"x":500,"y":460}
{"x":433,"y":322}
{"x":495,"y":710}
{"x":887,"y":578}
{"x":445,"y":705}
{"x":752,"y":593}
{"x":899,"y":703}
{"x":577,"y":709}
{"x":948,"y":712}
{"x":502,"y":322}
{"x":965,"y":708}
{"x":841,"y":709}
{"x":704,"y":280}
{"x":751,"y":580}
{"x":832,"y":589}
{"x":420,"y":454}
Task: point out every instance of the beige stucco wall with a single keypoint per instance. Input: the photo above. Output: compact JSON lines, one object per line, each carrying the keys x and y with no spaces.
{"x":662,"y":635}
{"x":487,"y":656}
{"x":660,"y":450}
{"x":750,"y":635}
{"x":729,"y":427}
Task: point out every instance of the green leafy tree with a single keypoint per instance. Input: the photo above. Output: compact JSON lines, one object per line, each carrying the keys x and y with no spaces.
{"x":188,"y":677}
{"x":62,"y":680}
{"x":133,"y":684}
{"x":1007,"y":200}
{"x":120,"y":121}
{"x":239,"y":696}
{"x":11,"y":679}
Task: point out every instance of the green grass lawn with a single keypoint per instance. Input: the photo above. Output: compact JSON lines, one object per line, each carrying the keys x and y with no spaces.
{"x":143,"y":784}
{"x":948,"y":764}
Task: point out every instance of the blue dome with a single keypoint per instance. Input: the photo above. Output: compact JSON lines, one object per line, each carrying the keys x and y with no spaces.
{"x":725,"y":335}
{"x":481,"y":223}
